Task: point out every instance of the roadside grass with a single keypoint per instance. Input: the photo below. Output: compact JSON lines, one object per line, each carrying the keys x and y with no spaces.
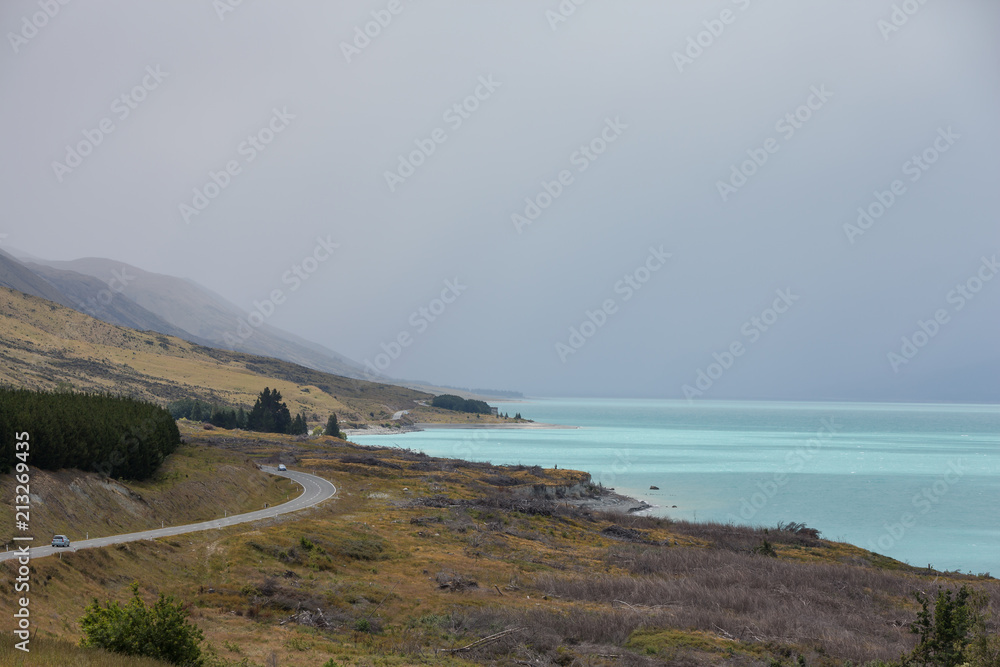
{"x":194,"y":484}
{"x":45,"y":652}
{"x":417,"y":554}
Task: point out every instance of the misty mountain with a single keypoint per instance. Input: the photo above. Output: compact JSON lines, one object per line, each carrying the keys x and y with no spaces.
{"x":197,"y":314}
{"x":100,"y":300}
{"x":34,"y":337}
{"x":15,"y":275}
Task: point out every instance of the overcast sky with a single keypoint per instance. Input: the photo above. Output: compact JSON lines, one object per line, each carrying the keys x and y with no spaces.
{"x":642,"y":108}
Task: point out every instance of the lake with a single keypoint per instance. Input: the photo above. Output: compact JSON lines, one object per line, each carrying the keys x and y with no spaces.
{"x":917,"y":482}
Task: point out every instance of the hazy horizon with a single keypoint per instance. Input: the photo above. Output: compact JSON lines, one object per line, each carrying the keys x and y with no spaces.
{"x":622,"y":201}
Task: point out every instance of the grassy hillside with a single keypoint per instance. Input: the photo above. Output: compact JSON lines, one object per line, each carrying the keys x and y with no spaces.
{"x":417,"y":555}
{"x":46,"y":346}
{"x":92,"y":296}
{"x":15,"y":275}
{"x":206,"y":316}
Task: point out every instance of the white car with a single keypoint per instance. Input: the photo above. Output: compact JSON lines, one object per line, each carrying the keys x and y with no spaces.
{"x":281,"y":467}
{"x":60,"y":541}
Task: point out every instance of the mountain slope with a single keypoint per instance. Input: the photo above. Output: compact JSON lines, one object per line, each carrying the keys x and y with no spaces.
{"x":208,"y":317}
{"x":15,"y":275}
{"x":44,"y":345}
{"x":103,"y":301}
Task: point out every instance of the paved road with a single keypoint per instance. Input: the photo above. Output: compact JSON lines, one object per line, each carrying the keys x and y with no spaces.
{"x":315,"y":490}
{"x":399,"y":414}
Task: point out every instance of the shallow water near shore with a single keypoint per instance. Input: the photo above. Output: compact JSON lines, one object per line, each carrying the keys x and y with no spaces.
{"x":920,"y":483}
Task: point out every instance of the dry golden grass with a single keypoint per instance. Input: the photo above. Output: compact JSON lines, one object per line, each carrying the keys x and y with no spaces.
{"x":45,"y":652}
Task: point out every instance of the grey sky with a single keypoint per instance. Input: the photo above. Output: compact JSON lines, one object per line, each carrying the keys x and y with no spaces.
{"x":879,"y":97}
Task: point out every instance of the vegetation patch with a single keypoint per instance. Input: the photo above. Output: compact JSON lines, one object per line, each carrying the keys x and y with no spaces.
{"x":668,"y":641}
{"x":114,"y":435}
{"x":459,"y":404}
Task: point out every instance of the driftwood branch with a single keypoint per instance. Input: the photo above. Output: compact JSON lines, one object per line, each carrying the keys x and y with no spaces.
{"x":372,"y":613}
{"x":641,"y":608}
{"x":481,"y":642}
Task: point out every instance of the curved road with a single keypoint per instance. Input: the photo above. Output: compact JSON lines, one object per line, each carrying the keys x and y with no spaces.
{"x":315,"y":490}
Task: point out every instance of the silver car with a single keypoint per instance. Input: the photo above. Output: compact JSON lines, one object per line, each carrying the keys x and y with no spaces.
{"x":281,"y":466}
{"x":60,"y":541}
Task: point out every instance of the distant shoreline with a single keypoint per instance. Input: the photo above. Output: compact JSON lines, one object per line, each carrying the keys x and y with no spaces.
{"x":430,"y":426}
{"x":426,"y":426}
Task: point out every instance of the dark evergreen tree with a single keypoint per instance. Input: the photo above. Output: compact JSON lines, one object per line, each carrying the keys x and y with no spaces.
{"x":223,"y":418}
{"x":332,"y":427}
{"x":269,"y":414}
{"x":459,"y":404}
{"x":299,"y":425}
{"x":114,"y":435}
{"x":241,"y":418}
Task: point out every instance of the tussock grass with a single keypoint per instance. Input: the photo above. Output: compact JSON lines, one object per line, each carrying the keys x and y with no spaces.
{"x":848,"y":611}
{"x":745,"y":538}
{"x":46,"y":652}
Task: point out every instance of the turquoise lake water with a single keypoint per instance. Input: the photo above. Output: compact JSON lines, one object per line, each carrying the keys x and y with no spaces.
{"x":920,"y":483}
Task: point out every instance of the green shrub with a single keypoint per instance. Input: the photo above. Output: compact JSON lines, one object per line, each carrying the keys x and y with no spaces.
{"x":955,"y":633}
{"x":765,"y":549}
{"x":161,"y":631}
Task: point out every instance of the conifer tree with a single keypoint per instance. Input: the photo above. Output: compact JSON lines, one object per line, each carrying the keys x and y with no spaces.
{"x":332,"y":427}
{"x":269,"y":414}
